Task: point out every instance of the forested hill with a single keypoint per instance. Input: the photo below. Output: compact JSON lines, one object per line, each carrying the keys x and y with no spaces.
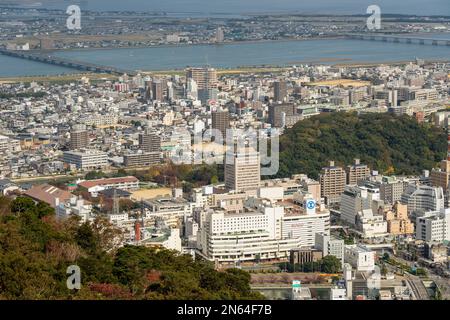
{"x":388,"y":143}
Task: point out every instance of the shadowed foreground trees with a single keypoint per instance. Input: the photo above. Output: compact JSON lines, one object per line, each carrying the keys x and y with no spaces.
{"x":36,"y":248}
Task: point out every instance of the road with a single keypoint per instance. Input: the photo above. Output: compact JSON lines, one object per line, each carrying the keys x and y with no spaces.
{"x":416,"y":284}
{"x":443,"y":285}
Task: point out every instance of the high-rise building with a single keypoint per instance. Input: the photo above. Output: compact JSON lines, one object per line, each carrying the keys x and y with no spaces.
{"x":391,"y":190}
{"x":441,"y":177}
{"x":149,"y":142}
{"x":191,"y":89}
{"x":221,"y":121}
{"x":219,"y":35}
{"x":205,"y":78}
{"x":332,"y":183}
{"x":357,"y":172}
{"x":157,"y":90}
{"x":330,"y":246}
{"x":354,"y":200}
{"x":243,"y":172}
{"x":279,"y":91}
{"x":279,"y":112}
{"x":434,"y":226}
{"x":78,"y":137}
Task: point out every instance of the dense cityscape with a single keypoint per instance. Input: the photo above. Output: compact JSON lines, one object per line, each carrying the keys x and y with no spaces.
{"x":312,"y":181}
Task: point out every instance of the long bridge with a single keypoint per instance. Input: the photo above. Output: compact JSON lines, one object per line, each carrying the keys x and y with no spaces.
{"x":68,"y":63}
{"x":399,"y":39}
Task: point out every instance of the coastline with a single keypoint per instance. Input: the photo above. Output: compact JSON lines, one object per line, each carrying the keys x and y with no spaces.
{"x":177,"y":45}
{"x":237,"y":70}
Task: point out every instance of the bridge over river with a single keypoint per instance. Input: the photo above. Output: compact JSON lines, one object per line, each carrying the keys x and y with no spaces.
{"x":68,"y":63}
{"x":399,"y":39}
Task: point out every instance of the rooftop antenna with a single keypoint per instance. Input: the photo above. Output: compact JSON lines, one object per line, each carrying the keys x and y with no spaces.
{"x":116,"y":205}
{"x":142,"y":211}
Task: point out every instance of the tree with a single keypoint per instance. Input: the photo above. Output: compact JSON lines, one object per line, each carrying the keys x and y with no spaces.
{"x":214,"y":180}
{"x":22,"y":204}
{"x":86,"y":239}
{"x":5,"y":206}
{"x":121,"y":173}
{"x":379,"y":140}
{"x":92,"y":175}
{"x":330,"y":264}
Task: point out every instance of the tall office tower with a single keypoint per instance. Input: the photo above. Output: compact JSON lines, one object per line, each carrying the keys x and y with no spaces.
{"x":279,"y":91}
{"x":221,"y":122}
{"x":78,"y":137}
{"x":391,"y":190}
{"x":206,"y":80}
{"x":148,"y":85}
{"x":150,"y":142}
{"x":242,"y":170}
{"x":441,"y":177}
{"x":219,"y":35}
{"x":157,"y":90}
{"x":332,"y":183}
{"x":357,"y":172}
{"x":354,"y":200}
{"x":279,"y":112}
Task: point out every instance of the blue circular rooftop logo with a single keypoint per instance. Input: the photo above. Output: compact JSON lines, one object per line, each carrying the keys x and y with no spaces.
{"x":310,"y":204}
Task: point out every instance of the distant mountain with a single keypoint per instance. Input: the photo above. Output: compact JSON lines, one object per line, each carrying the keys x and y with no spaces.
{"x":388,"y":143}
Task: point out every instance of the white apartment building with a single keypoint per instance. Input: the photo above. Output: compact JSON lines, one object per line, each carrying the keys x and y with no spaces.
{"x":172,"y":210}
{"x":353,"y":200}
{"x":265,"y":233}
{"x":119,"y":218}
{"x":86,"y":160}
{"x":434,"y":226}
{"x":370,"y":225}
{"x":75,"y":206}
{"x":330,"y":246}
{"x":359,"y":257}
{"x":423,"y":198}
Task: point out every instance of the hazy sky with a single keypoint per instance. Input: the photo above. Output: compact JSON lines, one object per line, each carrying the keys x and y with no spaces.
{"x":441,"y":7}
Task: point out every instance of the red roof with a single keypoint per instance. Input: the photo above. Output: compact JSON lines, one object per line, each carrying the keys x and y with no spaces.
{"x":48,"y":194}
{"x":101,"y":182}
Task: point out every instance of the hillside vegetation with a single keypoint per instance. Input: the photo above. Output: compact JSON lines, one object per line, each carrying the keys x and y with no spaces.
{"x":388,"y":143}
{"x":36,"y":248}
